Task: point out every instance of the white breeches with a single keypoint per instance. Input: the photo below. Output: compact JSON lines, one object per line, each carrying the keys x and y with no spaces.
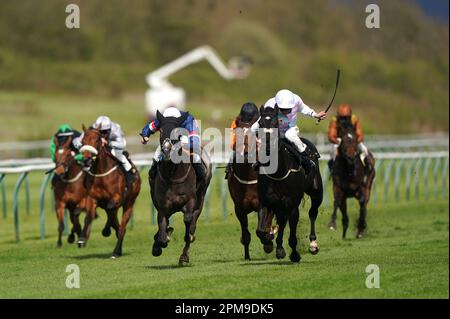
{"x":364,"y":152}
{"x":158,"y":154}
{"x":292,"y":136}
{"x":118,"y":153}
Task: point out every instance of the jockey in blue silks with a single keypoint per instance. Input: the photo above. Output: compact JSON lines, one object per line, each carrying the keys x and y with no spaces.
{"x":190,"y":125}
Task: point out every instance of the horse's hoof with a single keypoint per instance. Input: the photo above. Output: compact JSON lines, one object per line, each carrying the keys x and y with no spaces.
{"x":313,"y":248}
{"x":280,"y":253}
{"x":268,"y":248}
{"x":106,"y":232}
{"x":295,"y":257}
{"x":332,"y":225}
{"x":58,"y":244}
{"x":71,"y":239}
{"x":116,"y":255}
{"x":360,"y":235}
{"x":184,"y":260}
{"x":156,"y":251}
{"x":81,"y":243}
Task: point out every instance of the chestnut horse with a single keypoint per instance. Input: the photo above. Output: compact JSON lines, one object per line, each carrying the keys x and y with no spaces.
{"x":350,"y":180}
{"x":175,"y":188}
{"x":106,"y":184}
{"x":68,"y":187}
{"x":243,"y":184}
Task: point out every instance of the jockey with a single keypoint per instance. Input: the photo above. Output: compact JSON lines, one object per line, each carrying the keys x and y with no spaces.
{"x":113,"y":136}
{"x":248,"y":114}
{"x":289,"y":105}
{"x":190,"y":125}
{"x":62,"y":134}
{"x":344,"y":115}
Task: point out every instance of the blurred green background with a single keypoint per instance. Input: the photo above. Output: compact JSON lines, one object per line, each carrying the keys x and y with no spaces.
{"x":395,"y":77}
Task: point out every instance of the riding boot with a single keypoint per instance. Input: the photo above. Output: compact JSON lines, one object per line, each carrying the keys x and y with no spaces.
{"x":199,"y":171}
{"x":367,"y":166}
{"x":130,"y":176}
{"x":153,"y":170}
{"x":306,"y":162}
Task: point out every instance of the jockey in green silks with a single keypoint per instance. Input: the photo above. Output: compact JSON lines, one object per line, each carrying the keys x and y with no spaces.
{"x":62,"y":134}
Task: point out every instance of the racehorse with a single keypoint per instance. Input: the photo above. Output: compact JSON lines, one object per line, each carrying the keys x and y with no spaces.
{"x":350,"y":180}
{"x":175,"y":187}
{"x":242,"y":184}
{"x":68,"y":188}
{"x":106,"y":184}
{"x":280,"y":193}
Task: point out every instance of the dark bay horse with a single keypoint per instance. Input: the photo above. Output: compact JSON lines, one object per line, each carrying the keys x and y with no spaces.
{"x":350,"y":180}
{"x":280,"y":193}
{"x":106,"y":184}
{"x":175,"y":187}
{"x":68,"y":187}
{"x":243,"y":185}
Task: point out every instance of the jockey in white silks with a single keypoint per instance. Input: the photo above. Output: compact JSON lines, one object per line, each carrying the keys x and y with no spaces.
{"x":290,"y":105}
{"x":113,"y":136}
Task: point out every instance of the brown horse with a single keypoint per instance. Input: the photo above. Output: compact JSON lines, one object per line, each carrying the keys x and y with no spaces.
{"x":175,"y":188}
{"x":243,"y":185}
{"x":106,"y":184}
{"x":350,"y":180}
{"x":69,"y":189}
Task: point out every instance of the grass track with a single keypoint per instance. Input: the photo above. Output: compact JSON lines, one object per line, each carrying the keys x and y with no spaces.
{"x":408,"y":242}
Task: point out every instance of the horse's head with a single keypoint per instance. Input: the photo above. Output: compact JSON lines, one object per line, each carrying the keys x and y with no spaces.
{"x":63,"y":155}
{"x":243,"y":133}
{"x":349,"y":144}
{"x":92,"y":145}
{"x":268,"y":118}
{"x":171,"y":133}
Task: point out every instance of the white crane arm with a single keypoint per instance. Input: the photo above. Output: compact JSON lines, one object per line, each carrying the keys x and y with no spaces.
{"x":159,"y":77}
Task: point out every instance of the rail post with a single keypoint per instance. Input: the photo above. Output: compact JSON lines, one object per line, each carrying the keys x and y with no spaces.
{"x":444,"y":178}
{"x":374,"y":188}
{"x":409,"y":169}
{"x":387,"y":175}
{"x":437,"y":165}
{"x":417,"y":177}
{"x":42,"y":205}
{"x":27,"y":194}
{"x":3,"y":190}
{"x":22,"y":177}
{"x":224,"y":190}
{"x":425,"y":179}
{"x":398,"y":172}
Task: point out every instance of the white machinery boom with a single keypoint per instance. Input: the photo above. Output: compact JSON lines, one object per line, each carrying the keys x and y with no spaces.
{"x":162,"y":94}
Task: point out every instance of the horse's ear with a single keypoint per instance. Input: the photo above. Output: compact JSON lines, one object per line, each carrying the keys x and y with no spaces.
{"x":261,"y":109}
{"x":159,"y":116}
{"x":83,"y":127}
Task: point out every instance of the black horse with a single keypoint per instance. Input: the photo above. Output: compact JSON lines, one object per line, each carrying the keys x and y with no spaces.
{"x":175,"y":187}
{"x":280,"y":193}
{"x":351,"y":179}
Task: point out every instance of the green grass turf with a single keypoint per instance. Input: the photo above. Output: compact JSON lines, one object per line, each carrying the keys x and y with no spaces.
{"x":409,"y":243}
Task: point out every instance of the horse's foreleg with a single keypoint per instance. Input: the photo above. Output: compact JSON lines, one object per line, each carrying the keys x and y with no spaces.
{"x":160,"y":238}
{"x":313,"y":212}
{"x":127,"y":211}
{"x":245,"y":234}
{"x":280,"y":253}
{"x":86,"y":231}
{"x":293,"y":221}
{"x":190,"y":221}
{"x":336,"y":203}
{"x":113,"y":221}
{"x":362,"y":216}
{"x":343,"y":208}
{"x":59,"y":207}
{"x":76,"y":227}
{"x":263,"y":231}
